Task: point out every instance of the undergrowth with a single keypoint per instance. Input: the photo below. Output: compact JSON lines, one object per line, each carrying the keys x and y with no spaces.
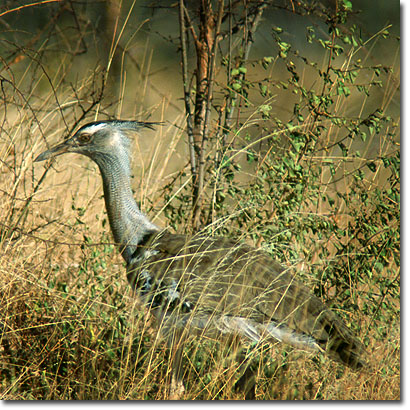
{"x":308,"y":168}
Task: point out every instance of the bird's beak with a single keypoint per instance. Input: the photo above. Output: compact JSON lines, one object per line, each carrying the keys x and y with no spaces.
{"x":54,"y":151}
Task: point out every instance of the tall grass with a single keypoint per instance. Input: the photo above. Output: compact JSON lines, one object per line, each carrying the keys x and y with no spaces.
{"x":70,"y":327}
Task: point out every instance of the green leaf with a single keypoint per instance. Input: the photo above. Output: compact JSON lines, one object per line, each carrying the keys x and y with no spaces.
{"x":347,"y":40}
{"x":378,"y":267}
{"x":266,"y":61}
{"x":265,"y":109}
{"x":284,"y":48}
{"x":237,"y":86}
{"x":354,"y":42}
{"x":343,"y":148}
{"x":347,"y":5}
{"x":250,"y":157}
{"x":385,"y":33}
{"x":263,"y":88}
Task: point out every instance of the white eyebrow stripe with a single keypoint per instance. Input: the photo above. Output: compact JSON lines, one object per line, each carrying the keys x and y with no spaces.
{"x":94,"y":128}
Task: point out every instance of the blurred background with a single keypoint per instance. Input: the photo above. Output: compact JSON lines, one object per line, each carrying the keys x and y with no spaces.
{"x":302,"y":157}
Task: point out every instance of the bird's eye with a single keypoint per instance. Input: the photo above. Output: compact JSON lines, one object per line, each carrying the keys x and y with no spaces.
{"x":84,"y":138}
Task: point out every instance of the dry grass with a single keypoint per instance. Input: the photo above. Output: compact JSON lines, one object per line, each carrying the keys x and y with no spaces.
{"x":70,"y":335}
{"x":69,"y":325}
{"x":71,"y":328}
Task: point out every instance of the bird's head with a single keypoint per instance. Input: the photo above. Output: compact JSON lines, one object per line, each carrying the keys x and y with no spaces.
{"x":97,"y":139}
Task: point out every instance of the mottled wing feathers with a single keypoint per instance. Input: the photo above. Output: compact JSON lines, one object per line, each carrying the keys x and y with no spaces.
{"x":220,"y":284}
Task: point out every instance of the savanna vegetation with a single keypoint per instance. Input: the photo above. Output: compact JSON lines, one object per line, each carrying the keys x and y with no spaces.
{"x":281,"y":124}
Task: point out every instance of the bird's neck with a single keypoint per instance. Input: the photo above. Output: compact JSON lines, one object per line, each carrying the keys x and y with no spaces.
{"x":128,"y":224}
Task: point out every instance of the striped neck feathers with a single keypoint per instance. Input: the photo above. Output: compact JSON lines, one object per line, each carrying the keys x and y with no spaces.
{"x":128,"y":224}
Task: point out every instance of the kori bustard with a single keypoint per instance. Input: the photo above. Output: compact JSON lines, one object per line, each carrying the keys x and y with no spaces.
{"x":212,"y":286}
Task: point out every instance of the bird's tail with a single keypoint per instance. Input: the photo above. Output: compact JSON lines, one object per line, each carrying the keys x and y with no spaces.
{"x":328,"y":335}
{"x":341,"y":345}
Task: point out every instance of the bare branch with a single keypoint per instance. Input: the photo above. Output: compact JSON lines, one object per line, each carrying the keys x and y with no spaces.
{"x":190,"y":26}
{"x":210,"y":77}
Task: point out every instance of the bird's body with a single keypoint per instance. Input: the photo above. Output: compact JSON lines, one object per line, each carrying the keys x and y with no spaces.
{"x":208,"y":286}
{"x":218,"y":286}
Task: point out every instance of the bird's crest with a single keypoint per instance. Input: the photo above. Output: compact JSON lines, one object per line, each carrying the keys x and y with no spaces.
{"x":121,"y":125}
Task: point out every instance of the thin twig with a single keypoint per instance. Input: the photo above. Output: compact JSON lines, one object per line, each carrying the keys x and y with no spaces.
{"x":230,"y":109}
{"x":184,"y":62}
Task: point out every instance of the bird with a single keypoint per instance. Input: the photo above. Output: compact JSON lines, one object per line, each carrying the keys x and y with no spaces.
{"x":217,"y":287}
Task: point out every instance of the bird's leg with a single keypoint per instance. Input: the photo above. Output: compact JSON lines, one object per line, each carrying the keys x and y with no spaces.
{"x":177,"y":388}
{"x":247,"y":381}
{"x":243,"y":365}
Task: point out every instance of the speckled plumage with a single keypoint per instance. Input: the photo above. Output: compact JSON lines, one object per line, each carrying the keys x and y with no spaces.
{"x":227,"y":287}
{"x":208,"y":286}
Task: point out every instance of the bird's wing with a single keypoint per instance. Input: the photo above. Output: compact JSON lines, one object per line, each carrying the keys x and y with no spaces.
{"x":221,"y":283}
